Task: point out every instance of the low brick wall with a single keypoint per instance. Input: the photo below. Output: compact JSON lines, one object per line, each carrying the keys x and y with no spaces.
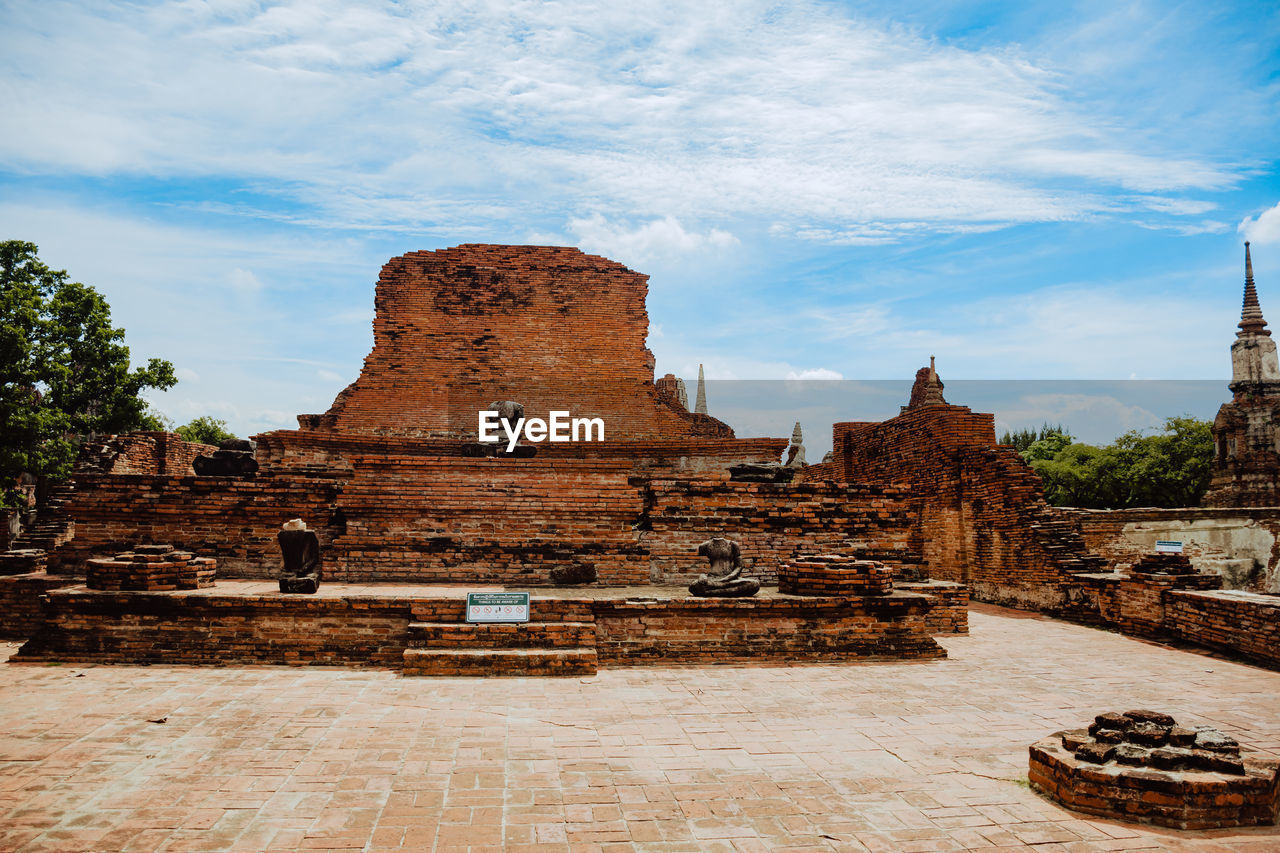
{"x":204,"y":628}
{"x":1242,"y":545}
{"x":1190,"y":608}
{"x":772,"y":522}
{"x":235,"y":627}
{"x":21,"y":612}
{"x":1239,"y":623}
{"x":745,"y":630}
{"x":950,"y":615}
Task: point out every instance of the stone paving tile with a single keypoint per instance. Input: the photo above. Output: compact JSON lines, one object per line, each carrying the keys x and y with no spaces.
{"x":927,"y":756}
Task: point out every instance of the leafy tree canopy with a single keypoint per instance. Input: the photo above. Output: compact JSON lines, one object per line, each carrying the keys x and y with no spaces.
{"x":205,"y":430}
{"x":1168,"y":469}
{"x":1024,"y":438}
{"x":64,"y":369}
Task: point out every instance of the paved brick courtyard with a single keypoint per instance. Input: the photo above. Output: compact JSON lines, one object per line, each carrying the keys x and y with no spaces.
{"x":881,"y":757}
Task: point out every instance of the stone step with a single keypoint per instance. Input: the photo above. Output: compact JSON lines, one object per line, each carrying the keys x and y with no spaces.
{"x":501,"y":635}
{"x":499,"y":662}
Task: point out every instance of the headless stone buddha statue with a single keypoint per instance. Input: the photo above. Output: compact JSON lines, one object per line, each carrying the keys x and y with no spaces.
{"x":300,"y":550}
{"x":725,"y":580}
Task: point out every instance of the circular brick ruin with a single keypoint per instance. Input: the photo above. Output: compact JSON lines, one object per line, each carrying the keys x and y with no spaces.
{"x":151,"y":568}
{"x":1142,"y":766}
{"x":834,"y":574}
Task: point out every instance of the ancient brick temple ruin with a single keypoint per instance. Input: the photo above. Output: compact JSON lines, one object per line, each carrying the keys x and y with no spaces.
{"x":864,"y":555}
{"x":389,"y":481}
{"x":1246,"y":432}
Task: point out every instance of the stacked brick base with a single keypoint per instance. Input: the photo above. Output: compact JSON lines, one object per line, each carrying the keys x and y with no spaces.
{"x":834,"y":574}
{"x":153,"y":568}
{"x":1182,"y":799}
{"x":428,"y":635}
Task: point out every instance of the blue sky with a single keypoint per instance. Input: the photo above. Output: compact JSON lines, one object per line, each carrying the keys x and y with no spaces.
{"x":1025,"y":190}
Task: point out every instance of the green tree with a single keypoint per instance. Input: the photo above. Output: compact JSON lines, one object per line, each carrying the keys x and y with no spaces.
{"x":1168,"y":469}
{"x":1024,"y":438}
{"x":64,"y":369}
{"x":205,"y":430}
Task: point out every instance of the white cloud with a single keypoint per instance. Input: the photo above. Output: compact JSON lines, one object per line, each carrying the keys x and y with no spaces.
{"x":651,"y":126}
{"x":329,"y":375}
{"x":637,"y":244}
{"x":814,"y":373}
{"x":186,"y":374}
{"x":244,"y":282}
{"x":1263,"y":228}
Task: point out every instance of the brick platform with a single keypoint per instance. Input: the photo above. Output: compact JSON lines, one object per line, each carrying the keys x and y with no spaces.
{"x":21,"y":613}
{"x":422,"y":628}
{"x":23,"y":561}
{"x":950,"y":615}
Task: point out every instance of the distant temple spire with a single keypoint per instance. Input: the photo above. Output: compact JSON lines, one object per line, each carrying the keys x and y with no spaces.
{"x":700,"y":406}
{"x":927,"y":390}
{"x":1251,"y":322}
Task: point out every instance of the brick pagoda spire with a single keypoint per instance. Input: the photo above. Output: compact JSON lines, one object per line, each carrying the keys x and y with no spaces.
{"x":1246,"y":464}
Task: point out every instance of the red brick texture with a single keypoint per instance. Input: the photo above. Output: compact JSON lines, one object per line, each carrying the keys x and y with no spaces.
{"x":487,"y":520}
{"x":146,"y":453}
{"x":454,"y":519}
{"x":1188,"y":608}
{"x":151,"y":572}
{"x":21,"y":609}
{"x":744,"y":630}
{"x":773,"y":523}
{"x":1185,"y":799}
{"x":313,"y":452}
{"x":230,"y":519}
{"x":981,"y":518}
{"x":548,"y":327}
{"x":950,"y":612}
{"x":428,"y":636}
{"x":834,"y":575}
{"x":204,"y":628}
{"x":1242,"y":624}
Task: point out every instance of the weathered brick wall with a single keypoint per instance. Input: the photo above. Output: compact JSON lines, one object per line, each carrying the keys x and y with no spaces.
{"x":213,"y":629}
{"x":1242,"y":545}
{"x":950,"y":613}
{"x":1135,"y":605}
{"x":549,"y":327}
{"x":760,"y":629}
{"x":231,"y":519}
{"x":488,"y":520}
{"x":1239,"y":623}
{"x":773,"y":523}
{"x":21,"y":612}
{"x":981,"y":517}
{"x":1189,"y":608}
{"x":144,"y":452}
{"x":453,"y":519}
{"x":302,"y":451}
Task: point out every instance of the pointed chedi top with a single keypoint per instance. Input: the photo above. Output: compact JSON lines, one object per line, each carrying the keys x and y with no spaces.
{"x":700,"y":404}
{"x":927,"y":390}
{"x":1251,"y":322}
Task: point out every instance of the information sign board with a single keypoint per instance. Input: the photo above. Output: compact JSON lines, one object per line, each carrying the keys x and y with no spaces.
{"x":497,"y":607}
